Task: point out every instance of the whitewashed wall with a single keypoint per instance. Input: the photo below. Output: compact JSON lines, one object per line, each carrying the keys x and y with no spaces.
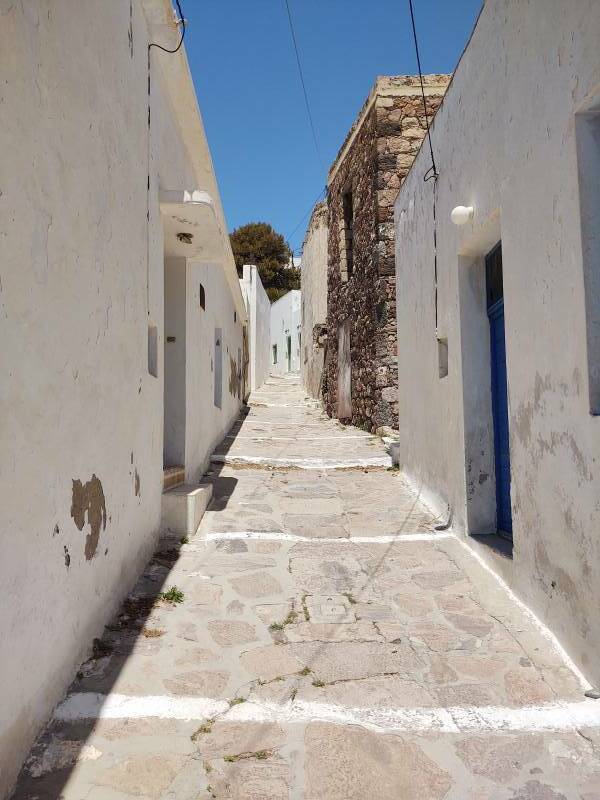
{"x":259,"y":316}
{"x":314,"y":298}
{"x":82,"y":278}
{"x":285,"y":321}
{"x":505,"y":143}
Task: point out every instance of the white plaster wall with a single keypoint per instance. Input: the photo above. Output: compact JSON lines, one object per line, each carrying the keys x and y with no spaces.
{"x":285,"y":321}
{"x":314,"y":298}
{"x":259,"y":314}
{"x":505,"y":142}
{"x":81,"y":279}
{"x":207,"y":424}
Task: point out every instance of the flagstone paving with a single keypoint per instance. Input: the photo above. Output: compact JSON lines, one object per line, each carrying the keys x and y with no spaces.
{"x":330,"y":644}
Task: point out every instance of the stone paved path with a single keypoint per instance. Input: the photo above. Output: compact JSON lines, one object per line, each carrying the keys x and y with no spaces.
{"x":330,"y":645}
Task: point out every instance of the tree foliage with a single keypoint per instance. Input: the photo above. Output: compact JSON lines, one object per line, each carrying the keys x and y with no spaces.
{"x":258,"y":243}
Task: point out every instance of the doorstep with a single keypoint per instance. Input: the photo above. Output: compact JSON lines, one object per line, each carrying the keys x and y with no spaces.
{"x":183,"y":507}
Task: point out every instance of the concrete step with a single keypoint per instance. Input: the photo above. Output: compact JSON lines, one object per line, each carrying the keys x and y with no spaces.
{"x":183,"y":508}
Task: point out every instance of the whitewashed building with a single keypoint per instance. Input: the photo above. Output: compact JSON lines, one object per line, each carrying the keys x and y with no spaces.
{"x":498,"y":332}
{"x":258,"y":308}
{"x":121,"y":321}
{"x":286,"y":334}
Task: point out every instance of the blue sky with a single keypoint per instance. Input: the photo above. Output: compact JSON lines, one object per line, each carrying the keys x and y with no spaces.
{"x":245,"y":72}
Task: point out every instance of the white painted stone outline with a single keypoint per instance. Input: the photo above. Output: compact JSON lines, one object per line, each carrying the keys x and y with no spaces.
{"x":276,"y":536}
{"x":303,"y":463}
{"x":549,"y":717}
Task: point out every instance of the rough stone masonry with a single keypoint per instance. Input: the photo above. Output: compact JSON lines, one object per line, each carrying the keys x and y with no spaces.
{"x":363,"y":183}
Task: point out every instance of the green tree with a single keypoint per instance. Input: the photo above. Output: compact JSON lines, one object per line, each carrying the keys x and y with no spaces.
{"x":258,"y":243}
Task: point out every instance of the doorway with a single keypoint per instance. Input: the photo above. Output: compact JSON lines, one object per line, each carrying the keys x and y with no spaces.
{"x":288,"y":353}
{"x":344,"y":404}
{"x":499,"y":386}
{"x":174,"y":362}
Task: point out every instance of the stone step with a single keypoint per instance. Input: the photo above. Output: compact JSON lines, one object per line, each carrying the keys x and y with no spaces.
{"x":183,"y":507}
{"x":173,"y":476}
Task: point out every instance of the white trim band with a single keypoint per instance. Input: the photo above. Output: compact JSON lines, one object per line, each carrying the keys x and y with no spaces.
{"x":469,"y":719}
{"x":276,"y":536}
{"x":303,"y":463}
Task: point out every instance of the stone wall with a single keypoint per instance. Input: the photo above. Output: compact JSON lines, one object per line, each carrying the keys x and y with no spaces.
{"x":314,"y":300}
{"x":372,"y":164}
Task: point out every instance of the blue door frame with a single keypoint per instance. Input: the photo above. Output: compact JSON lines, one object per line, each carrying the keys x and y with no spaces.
{"x":500,"y":416}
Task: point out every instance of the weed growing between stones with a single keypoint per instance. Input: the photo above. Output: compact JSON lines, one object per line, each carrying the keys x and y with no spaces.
{"x":236,"y":701}
{"x":206,"y":727}
{"x":305,"y":608}
{"x":172,"y":595}
{"x":261,"y":755}
{"x":289,"y":620}
{"x":152,"y":633}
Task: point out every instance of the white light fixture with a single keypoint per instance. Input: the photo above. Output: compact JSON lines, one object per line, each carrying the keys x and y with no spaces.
{"x":462,"y":214}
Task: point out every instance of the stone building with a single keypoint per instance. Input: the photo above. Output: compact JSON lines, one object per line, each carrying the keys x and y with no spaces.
{"x":499,"y":376}
{"x":361,"y":374}
{"x":314,"y":301}
{"x":122,"y":327}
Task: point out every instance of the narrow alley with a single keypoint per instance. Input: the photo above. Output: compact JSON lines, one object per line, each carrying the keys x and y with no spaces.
{"x":320,"y":637}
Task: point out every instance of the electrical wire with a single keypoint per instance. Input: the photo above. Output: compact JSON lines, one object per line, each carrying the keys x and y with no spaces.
{"x":319,"y":197}
{"x":301,"y":73}
{"x":180,"y":21}
{"x":431,"y":173}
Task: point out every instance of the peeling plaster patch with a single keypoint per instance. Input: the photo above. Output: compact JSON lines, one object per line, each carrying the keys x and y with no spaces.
{"x":67,"y":557}
{"x":235,"y":383}
{"x":137,"y":483}
{"x":89,"y":498}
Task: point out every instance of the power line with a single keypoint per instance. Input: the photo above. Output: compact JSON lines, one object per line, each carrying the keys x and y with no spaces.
{"x":301,"y":73}
{"x":319,"y":197}
{"x":432,"y":173}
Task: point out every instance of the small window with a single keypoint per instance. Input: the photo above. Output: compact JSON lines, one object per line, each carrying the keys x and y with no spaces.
{"x":235,"y":316}
{"x":274,"y":353}
{"x":202,"y":297}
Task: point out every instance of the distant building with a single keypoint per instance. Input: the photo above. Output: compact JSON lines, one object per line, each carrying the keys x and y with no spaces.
{"x":314,"y":301}
{"x":286,"y":333}
{"x":361,"y":363}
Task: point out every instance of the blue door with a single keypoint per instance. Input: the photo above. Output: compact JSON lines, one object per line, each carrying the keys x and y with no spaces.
{"x":500,"y":414}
